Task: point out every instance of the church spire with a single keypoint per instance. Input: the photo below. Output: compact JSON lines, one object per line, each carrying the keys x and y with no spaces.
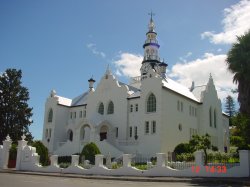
{"x":151,"y":46}
{"x":151,"y":51}
{"x":151,"y":25}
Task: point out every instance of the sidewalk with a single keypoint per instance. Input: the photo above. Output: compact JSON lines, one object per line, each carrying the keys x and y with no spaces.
{"x":239,"y":181}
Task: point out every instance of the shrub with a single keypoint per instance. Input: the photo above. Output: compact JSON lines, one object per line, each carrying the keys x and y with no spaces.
{"x":187,"y":157}
{"x":214,"y":148}
{"x":42,"y":151}
{"x":64,"y":159}
{"x":13,"y":152}
{"x":89,"y":151}
{"x":183,"y":148}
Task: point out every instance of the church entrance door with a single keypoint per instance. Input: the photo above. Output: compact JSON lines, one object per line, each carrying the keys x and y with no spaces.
{"x":103,"y":132}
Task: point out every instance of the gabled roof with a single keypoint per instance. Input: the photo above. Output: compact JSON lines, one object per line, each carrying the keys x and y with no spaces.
{"x":178,"y":88}
{"x":80,"y":100}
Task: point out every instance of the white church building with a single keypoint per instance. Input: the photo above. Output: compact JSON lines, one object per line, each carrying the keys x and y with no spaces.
{"x":149,"y":115}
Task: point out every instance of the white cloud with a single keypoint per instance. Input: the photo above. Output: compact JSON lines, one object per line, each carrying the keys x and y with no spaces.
{"x":128,"y":64}
{"x":235,"y":23}
{"x":94,"y":50}
{"x":184,"y":58}
{"x":198,"y":71}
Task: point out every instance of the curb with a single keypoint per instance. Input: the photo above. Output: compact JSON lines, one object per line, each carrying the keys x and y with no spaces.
{"x":241,"y":181}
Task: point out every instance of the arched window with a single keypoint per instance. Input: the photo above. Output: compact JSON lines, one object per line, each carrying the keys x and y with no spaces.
{"x":111,"y":108}
{"x":215,"y":118}
{"x":210,"y":117}
{"x":50,"y":116}
{"x":151,"y":103}
{"x":101,"y":109}
{"x":70,"y":135}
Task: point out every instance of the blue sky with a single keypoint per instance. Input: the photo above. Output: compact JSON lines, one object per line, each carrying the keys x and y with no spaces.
{"x":60,"y":44}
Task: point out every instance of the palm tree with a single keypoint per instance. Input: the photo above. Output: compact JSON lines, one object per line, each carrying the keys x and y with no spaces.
{"x":238,"y":60}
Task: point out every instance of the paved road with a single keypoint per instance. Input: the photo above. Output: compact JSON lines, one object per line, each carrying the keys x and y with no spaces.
{"x":22,"y":180}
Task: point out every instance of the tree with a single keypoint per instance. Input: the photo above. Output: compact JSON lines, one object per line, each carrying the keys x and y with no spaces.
{"x":42,"y":151}
{"x":201,"y":143}
{"x":230,"y":108}
{"x":240,"y":134}
{"x":15,"y":114}
{"x":238,"y":60}
{"x":89,"y":151}
{"x":183,"y":148}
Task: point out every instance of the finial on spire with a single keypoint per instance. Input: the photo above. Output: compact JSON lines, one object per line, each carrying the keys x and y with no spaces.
{"x":151,"y":15}
{"x":151,"y":24}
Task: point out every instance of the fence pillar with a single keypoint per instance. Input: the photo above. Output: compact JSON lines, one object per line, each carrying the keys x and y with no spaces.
{"x":245,"y":160}
{"x":74,"y":160}
{"x":161,"y":159}
{"x":5,"y":152}
{"x":99,"y":160}
{"x":54,"y":160}
{"x":126,"y":158}
{"x":199,"y":158}
{"x":21,"y":144}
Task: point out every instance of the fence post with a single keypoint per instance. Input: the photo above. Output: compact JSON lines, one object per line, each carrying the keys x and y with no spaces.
{"x":126,"y":159}
{"x":21,"y":144}
{"x":74,"y":160}
{"x":54,"y":160}
{"x":5,"y":154}
{"x":98,"y":160}
{"x":245,"y":161}
{"x":161,"y":159}
{"x":199,"y":158}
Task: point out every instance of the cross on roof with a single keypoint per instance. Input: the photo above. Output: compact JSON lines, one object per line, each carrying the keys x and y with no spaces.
{"x":151,"y":14}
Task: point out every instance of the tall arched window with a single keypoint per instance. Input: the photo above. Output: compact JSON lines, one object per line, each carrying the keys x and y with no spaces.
{"x":215,"y":118}
{"x":210,"y":117}
{"x":101,"y":109}
{"x":70,"y":135}
{"x":151,"y":103}
{"x":50,"y":116}
{"x":110,"y":107}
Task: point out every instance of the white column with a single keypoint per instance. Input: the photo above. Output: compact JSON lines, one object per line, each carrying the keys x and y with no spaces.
{"x":21,"y":144}
{"x":161,"y":159}
{"x":126,"y":160}
{"x":245,"y":161}
{"x":99,"y":160}
{"x":199,"y":158}
{"x":5,"y":155}
{"x":54,"y":160}
{"x":74,"y":160}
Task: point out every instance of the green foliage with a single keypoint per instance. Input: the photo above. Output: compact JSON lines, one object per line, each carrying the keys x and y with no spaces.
{"x":42,"y":151}
{"x":15,"y":114}
{"x":183,"y":148}
{"x":218,"y":157}
{"x":214,"y":148}
{"x":201,"y":143}
{"x":187,"y":157}
{"x":240,"y":135}
{"x":64,"y":159}
{"x":13,"y":152}
{"x":64,"y":164}
{"x":89,"y":151}
{"x":238,"y":60}
{"x":230,"y":108}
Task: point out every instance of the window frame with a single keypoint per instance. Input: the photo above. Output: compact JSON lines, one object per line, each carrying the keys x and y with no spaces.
{"x":151,"y":103}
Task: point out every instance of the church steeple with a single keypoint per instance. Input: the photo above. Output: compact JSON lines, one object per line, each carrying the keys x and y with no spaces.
{"x":151,"y":46}
{"x":151,"y":51}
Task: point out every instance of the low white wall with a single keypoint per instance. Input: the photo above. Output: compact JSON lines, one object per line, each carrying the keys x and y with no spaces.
{"x":28,"y":161}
